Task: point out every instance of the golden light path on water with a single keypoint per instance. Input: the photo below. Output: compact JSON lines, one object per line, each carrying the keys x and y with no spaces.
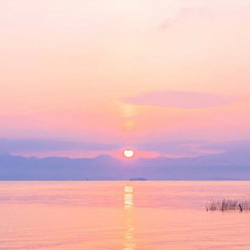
{"x":129,"y":241}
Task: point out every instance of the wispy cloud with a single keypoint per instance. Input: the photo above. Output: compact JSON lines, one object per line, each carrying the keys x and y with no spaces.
{"x":239,"y":147}
{"x":51,"y":145}
{"x":180,"y":99}
{"x":186,"y":12}
{"x":177,"y":149}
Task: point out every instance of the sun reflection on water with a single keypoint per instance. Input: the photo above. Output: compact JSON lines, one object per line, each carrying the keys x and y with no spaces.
{"x":128,"y":197}
{"x":129,"y":242}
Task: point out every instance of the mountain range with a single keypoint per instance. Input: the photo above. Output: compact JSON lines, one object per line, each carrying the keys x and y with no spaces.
{"x":225,"y":166}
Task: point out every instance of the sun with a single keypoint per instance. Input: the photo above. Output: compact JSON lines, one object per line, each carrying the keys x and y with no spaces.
{"x":128,"y":153}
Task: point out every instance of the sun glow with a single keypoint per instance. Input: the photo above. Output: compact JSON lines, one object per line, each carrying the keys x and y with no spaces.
{"x":128,"y":153}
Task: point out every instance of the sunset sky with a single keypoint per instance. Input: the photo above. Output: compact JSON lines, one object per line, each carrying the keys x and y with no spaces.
{"x":87,"y":77}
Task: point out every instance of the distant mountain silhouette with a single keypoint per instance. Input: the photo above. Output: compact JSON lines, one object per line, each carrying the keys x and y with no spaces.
{"x":231,"y":166}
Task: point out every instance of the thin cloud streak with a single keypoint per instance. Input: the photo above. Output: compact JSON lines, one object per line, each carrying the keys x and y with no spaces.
{"x":60,"y":147}
{"x":50,"y":145}
{"x":180,"y":99}
{"x":180,"y":149}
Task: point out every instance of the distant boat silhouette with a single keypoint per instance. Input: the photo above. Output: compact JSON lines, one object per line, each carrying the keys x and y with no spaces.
{"x":138,"y":179}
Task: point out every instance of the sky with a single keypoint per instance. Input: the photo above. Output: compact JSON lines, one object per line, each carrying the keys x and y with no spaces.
{"x":83,"y":78}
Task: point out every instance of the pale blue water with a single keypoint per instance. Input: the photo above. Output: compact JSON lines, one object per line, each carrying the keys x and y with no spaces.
{"x":121,"y":215}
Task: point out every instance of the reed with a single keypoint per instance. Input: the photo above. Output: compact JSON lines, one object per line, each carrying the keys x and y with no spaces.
{"x":228,"y":205}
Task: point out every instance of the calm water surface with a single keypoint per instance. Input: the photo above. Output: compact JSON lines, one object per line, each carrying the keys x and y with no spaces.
{"x":121,"y":215}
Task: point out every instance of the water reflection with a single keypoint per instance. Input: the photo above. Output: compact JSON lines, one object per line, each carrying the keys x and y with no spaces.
{"x":129,"y":242}
{"x":128,"y":197}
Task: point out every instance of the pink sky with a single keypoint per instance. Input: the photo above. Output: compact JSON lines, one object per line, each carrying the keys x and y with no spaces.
{"x":94,"y":71}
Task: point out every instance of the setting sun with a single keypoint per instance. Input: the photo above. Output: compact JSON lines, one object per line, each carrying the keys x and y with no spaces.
{"x":128,"y":153}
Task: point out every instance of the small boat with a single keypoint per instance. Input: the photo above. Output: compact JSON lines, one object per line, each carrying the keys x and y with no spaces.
{"x":138,"y":179}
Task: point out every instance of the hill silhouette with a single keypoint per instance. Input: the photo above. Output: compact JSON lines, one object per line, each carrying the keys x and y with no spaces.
{"x":225,"y":166}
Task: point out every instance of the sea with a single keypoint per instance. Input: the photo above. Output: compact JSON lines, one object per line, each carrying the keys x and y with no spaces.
{"x":121,"y":215}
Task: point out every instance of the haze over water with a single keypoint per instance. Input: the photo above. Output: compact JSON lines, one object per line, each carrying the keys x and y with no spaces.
{"x":121,"y":215}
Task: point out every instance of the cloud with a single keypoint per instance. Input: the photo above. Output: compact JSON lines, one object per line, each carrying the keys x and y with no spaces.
{"x":177,"y":149}
{"x":182,"y":15}
{"x":233,"y":147}
{"x":179,"y":99}
{"x":46,"y":145}
{"x":234,"y":150}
